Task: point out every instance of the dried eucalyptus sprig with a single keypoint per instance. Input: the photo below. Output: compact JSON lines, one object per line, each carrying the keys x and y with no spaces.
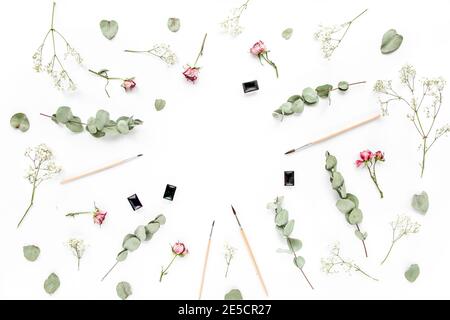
{"x":98,"y":127}
{"x":77,"y":247}
{"x":335,"y":262}
{"x":424,"y":100}
{"x":285,"y":227}
{"x":229,"y":255}
{"x":310,"y":96}
{"x":348,"y":203}
{"x":231,"y":24}
{"x":132,"y":241}
{"x":161,"y":51}
{"x":403,"y":226}
{"x":54,"y":67}
{"x":330,"y":37}
{"x":127,"y":83}
{"x":42,"y":168}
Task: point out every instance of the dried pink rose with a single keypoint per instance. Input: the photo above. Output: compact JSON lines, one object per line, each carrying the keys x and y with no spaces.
{"x":369,"y":160}
{"x":191,"y":73}
{"x":179,"y":249}
{"x":258,"y":48}
{"x":366,"y":155}
{"x":379,"y":155}
{"x":99,"y":216}
{"x":128,"y":84}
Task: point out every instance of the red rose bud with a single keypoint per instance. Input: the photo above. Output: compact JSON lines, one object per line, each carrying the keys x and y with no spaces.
{"x":128,"y":84}
{"x":99,"y":216}
{"x":366,"y":155}
{"x":191,"y":74}
{"x":179,"y":249}
{"x":258,"y":48}
{"x":379,"y":156}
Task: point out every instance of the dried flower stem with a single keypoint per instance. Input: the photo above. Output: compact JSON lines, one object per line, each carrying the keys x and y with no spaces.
{"x":105,"y":76}
{"x":201,"y":50}
{"x":73,"y":214}
{"x":265,"y":56}
{"x":373,"y":175}
{"x":32,"y":197}
{"x":164,"y":271}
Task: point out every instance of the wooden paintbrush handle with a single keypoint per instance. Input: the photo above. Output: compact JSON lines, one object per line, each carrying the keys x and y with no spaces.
{"x":204,"y":270}
{"x":93,"y":172}
{"x":334,"y":134}
{"x":250,"y":252}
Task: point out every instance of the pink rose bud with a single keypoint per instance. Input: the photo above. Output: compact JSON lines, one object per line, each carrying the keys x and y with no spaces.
{"x":179,"y":249}
{"x":128,"y":84}
{"x":99,"y":216}
{"x":379,"y":155}
{"x":191,"y":74}
{"x":258,"y":48}
{"x":366,"y":155}
{"x":359,"y":163}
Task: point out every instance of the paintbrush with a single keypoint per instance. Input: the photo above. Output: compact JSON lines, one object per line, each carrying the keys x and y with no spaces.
{"x":92,"y":172}
{"x":334,"y":134}
{"x":206,"y":262}
{"x":250,"y":252}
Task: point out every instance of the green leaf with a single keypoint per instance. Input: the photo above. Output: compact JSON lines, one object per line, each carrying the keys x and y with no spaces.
{"x":286,"y":108}
{"x":233,"y":294}
{"x":288,"y":228}
{"x":287,"y":33}
{"x":353,"y":199}
{"x":294,"y":244}
{"x":345,"y":205}
{"x":310,"y":95}
{"x":337,"y":180}
{"x":31,"y":253}
{"x":122,"y":255}
{"x":412,"y":273}
{"x":391,"y":41}
{"x":101,"y":119}
{"x":355,"y":216}
{"x":51,"y":284}
{"x":140,"y":233}
{"x":122,"y":126}
{"x":298,"y":106}
{"x":91,"y":127}
{"x":343,"y":85}
{"x":342,"y":192}
{"x":161,"y":219}
{"x":98,"y":134}
{"x":109,"y":28}
{"x":420,"y":202}
{"x":173,"y":24}
{"x":299,"y":262}
{"x":153,"y":227}
{"x":75,"y":125}
{"x":63,"y":114}
{"x":20,"y":121}
{"x":160,"y":104}
{"x":331,"y":162}
{"x":132,"y":243}
{"x":281,"y":218}
{"x":294,"y":98}
{"x":324,"y":90}
{"x":361,"y":235}
{"x":124,"y":290}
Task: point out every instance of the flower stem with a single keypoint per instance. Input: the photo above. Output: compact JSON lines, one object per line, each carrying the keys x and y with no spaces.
{"x":388,"y":253}
{"x":115,"y":264}
{"x":137,"y":51}
{"x":228,"y":267}
{"x":78,"y":262}
{"x":359,"y":15}
{"x":201,"y":51}
{"x":424,"y":153}
{"x":367,"y":275}
{"x":270,"y":62}
{"x":164,"y":271}
{"x":373,"y":175}
{"x":31,"y":201}
{"x":73,"y":214}
{"x":362,"y":240}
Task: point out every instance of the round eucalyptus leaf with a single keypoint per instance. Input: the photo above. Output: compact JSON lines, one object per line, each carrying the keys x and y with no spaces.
{"x":160,"y":104}
{"x":91,"y":127}
{"x":310,"y":95}
{"x":294,"y":98}
{"x":294,"y":244}
{"x":288,"y":228}
{"x":353,"y":199}
{"x":361,"y":235}
{"x":286,"y":108}
{"x":173,"y":24}
{"x":109,"y":28}
{"x":337,"y":180}
{"x":75,"y":125}
{"x":122,"y":255}
{"x":355,"y":216}
{"x":98,"y":134}
{"x":299,"y":262}
{"x":122,"y":126}
{"x":412,"y":273}
{"x":131,"y":243}
{"x":153,"y":227}
{"x":281,"y":218}
{"x":287,"y":33}
{"x":420,"y":202}
{"x":277,"y":114}
{"x":298,"y":106}
{"x":148,"y":234}
{"x":345,"y":205}
{"x":63,"y":114}
{"x":140,"y":233}
{"x":51,"y":284}
{"x":331,"y":162}
{"x":31,"y":252}
{"x":343,"y":85}
{"x":391,"y":41}
{"x":101,"y":119}
{"x":233,"y":294}
{"x":342,"y":192}
{"x":20,"y":121}
{"x":124,"y":290}
{"x":324,"y":90}
{"x":161,"y":219}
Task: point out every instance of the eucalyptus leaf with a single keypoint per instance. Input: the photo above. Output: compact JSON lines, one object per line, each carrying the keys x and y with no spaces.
{"x":294,"y":98}
{"x":294,"y":244}
{"x":122,"y":126}
{"x":353,"y":199}
{"x":140,"y":233}
{"x":63,"y":114}
{"x":31,"y":252}
{"x":298,"y":106}
{"x":288,"y":228}
{"x":412,"y":273}
{"x":310,"y":95}
{"x":152,"y":227}
{"x":173,"y":24}
{"x":98,"y":134}
{"x":355,"y":216}
{"x":331,"y":162}
{"x":345,"y":205}
{"x":20,"y":121}
{"x":132,"y":243}
{"x":287,"y":33}
{"x":343,"y":85}
{"x":281,"y":218}
{"x":337,"y":180}
{"x":323,"y":91}
{"x":101,"y":119}
{"x":161,"y":219}
{"x":51,"y":284}
{"x":124,"y":290}
{"x":299,"y":262}
{"x":75,"y":125}
{"x":391,"y":41}
{"x":233,"y":294}
{"x":91,"y":127}
{"x":160,"y":104}
{"x":420,"y":202}
{"x":361,"y":235}
{"x":286,"y":108}
{"x":109,"y":28}
{"x":342,"y":191}
{"x":122,"y":255}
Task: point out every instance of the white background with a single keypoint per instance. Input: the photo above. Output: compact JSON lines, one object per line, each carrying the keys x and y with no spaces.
{"x":219,"y":146}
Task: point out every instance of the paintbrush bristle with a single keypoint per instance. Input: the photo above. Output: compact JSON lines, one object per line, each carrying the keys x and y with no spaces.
{"x":140,"y":155}
{"x":290,"y":151}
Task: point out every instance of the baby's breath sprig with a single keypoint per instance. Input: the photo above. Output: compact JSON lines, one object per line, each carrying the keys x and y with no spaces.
{"x":401,"y":227}
{"x":424,"y":101}
{"x":77,"y":247}
{"x":229,"y":255}
{"x":161,"y":51}
{"x":231,"y":24}
{"x":331,"y":37}
{"x":54,"y":67}
{"x":335,"y":261}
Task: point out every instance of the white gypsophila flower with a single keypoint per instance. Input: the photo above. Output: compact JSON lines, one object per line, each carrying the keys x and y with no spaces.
{"x":326,"y":35}
{"x":231,"y":24}
{"x":37,"y":60}
{"x":164,"y":52}
{"x":77,"y":247}
{"x":407,"y":74}
{"x":229,"y":252}
{"x":404,"y":226}
{"x":72,"y":52}
{"x":42,"y":167}
{"x":381,"y":86}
